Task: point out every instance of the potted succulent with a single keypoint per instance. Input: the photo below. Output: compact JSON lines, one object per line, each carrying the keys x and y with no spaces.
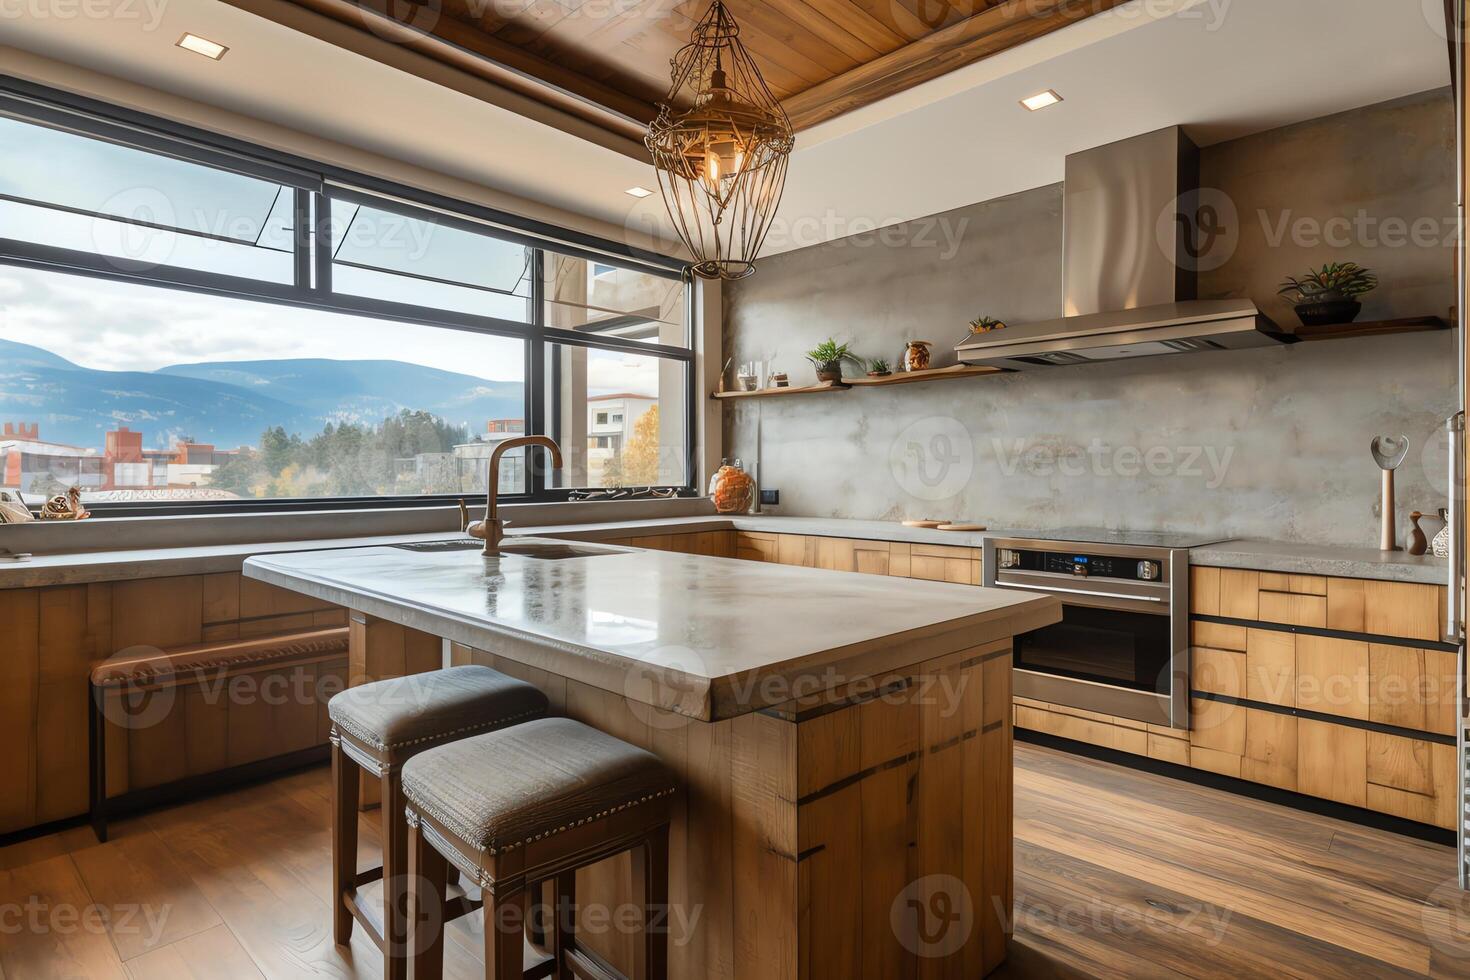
{"x":827,"y":358}
{"x":879,"y":367}
{"x":1330,"y":294}
{"x":985,"y":324}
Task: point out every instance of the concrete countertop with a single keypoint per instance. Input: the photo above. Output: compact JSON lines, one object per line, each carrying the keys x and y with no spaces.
{"x":1306,"y":559}
{"x":708,"y":638}
{"x":66,"y":568}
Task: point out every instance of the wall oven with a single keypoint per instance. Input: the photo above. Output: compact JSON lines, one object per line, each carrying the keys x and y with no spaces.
{"x":1122,"y":646}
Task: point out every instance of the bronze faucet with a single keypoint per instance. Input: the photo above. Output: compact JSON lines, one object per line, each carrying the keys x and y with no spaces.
{"x":492,"y":528}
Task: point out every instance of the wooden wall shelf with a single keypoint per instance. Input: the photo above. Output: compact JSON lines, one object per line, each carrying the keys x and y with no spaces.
{"x":897,"y":378}
{"x":931,"y":374}
{"x":1371,"y":328}
{"x":781,"y":392}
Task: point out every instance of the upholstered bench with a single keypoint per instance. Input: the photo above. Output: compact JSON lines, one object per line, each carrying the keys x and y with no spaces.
{"x":158,"y":680}
{"x":531,"y":804}
{"x":378,"y":727}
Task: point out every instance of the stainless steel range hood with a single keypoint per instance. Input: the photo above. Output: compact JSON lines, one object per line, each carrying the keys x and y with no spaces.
{"x":1128,"y":278}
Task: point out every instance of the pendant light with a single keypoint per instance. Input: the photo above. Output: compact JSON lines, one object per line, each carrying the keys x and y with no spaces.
{"x":720,"y":146}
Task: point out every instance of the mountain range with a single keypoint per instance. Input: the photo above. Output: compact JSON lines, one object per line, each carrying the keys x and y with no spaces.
{"x":229,"y":403}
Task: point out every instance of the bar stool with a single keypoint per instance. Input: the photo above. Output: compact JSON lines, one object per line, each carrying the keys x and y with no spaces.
{"x":519,"y":807}
{"x":377,"y":727}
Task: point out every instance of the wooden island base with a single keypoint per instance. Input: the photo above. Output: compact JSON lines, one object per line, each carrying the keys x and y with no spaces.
{"x":863,"y":833}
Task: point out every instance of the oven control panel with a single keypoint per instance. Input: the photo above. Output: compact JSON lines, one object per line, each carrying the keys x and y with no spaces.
{"x":1080,"y":564}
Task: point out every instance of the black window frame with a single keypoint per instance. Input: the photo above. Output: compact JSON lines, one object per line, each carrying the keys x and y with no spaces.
{"x":314,"y":186}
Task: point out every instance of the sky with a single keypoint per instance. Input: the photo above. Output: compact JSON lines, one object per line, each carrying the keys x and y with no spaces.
{"x":123,"y":327}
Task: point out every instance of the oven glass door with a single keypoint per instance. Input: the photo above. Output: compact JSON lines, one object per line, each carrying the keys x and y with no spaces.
{"x":1110,"y":646}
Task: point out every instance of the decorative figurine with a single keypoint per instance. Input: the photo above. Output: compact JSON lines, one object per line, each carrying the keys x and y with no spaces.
{"x":1441,"y":544}
{"x":65,"y":507}
{"x":1418,"y":543}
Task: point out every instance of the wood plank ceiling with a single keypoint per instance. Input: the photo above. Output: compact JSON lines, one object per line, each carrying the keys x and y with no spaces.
{"x":607,"y":61}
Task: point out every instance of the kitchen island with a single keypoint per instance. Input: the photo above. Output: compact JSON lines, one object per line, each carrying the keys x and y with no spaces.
{"x":844,"y":740}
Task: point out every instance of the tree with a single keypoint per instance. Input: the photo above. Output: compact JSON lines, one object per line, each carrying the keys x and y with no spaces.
{"x":637,"y":466}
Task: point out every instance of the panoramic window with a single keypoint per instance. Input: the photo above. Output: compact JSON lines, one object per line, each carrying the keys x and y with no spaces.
{"x":137,"y":393}
{"x":173,"y":333}
{"x":138,"y":209}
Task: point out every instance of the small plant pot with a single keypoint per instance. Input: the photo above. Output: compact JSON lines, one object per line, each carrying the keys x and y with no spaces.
{"x":1321,"y":313}
{"x":879,"y":374}
{"x":829,"y":373}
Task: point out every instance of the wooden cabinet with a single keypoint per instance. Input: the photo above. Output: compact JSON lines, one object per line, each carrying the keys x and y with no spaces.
{"x":55,"y":635}
{"x":1324,"y":698}
{"x":944,"y":563}
{"x":931,"y":562}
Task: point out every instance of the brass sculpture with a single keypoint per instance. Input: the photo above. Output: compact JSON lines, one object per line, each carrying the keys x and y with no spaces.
{"x":65,"y":507}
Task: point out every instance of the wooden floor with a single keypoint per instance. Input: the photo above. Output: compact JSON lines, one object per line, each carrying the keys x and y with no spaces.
{"x":1118,"y":874}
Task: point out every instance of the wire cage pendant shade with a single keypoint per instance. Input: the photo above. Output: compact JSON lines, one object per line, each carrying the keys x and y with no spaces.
{"x":720,"y":145}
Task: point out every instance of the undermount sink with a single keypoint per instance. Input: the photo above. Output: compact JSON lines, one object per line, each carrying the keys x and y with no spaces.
{"x":543,"y":550}
{"x":456,"y":545}
{"x":554,"y":552}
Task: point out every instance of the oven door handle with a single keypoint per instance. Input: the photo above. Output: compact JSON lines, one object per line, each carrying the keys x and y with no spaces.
{"x":1086,"y":592}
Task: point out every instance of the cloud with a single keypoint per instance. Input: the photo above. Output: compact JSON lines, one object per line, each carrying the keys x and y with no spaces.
{"x":124,"y":327}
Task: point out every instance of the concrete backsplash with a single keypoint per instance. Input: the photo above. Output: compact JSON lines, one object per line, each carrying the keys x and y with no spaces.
{"x":1268,"y":443}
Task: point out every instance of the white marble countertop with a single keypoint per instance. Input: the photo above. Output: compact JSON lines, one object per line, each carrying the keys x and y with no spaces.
{"x":65,"y":568}
{"x":703,"y":637}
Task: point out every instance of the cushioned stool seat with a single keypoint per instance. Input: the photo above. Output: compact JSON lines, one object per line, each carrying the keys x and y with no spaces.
{"x":532,"y":804}
{"x":506,"y":789}
{"x":378,"y":727}
{"x":405,"y":715}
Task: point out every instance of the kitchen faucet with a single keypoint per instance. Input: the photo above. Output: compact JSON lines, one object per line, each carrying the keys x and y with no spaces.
{"x":492,"y":526}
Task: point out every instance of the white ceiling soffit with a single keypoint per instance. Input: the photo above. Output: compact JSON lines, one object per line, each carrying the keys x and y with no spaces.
{"x":1223,"y":68}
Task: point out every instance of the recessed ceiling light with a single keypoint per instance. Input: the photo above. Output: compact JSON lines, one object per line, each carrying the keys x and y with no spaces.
{"x":203,"y":45}
{"x":638,"y":192}
{"x":1041,"y":100}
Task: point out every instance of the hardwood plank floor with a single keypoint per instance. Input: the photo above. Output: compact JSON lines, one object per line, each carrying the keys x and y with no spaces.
{"x":1119,"y":874}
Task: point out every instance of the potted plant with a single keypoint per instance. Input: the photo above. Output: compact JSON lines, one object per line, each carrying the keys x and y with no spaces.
{"x":985,"y":324}
{"x":827,"y":358}
{"x":879,"y":367}
{"x":1330,"y":294}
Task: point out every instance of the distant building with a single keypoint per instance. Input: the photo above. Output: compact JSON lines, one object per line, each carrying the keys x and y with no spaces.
{"x":472,"y":459}
{"x":31,"y":465}
{"x":610,"y":422}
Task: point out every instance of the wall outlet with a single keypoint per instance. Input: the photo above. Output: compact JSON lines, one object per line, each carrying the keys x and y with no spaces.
{"x":770,"y":498}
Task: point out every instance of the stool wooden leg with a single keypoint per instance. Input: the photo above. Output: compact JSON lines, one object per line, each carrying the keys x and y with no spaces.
{"x":395,"y":877}
{"x":505,"y":945}
{"x":564,"y":910}
{"x":651,"y":882}
{"x":345,"y":777}
{"x":97,"y":773}
{"x":427,"y":893}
